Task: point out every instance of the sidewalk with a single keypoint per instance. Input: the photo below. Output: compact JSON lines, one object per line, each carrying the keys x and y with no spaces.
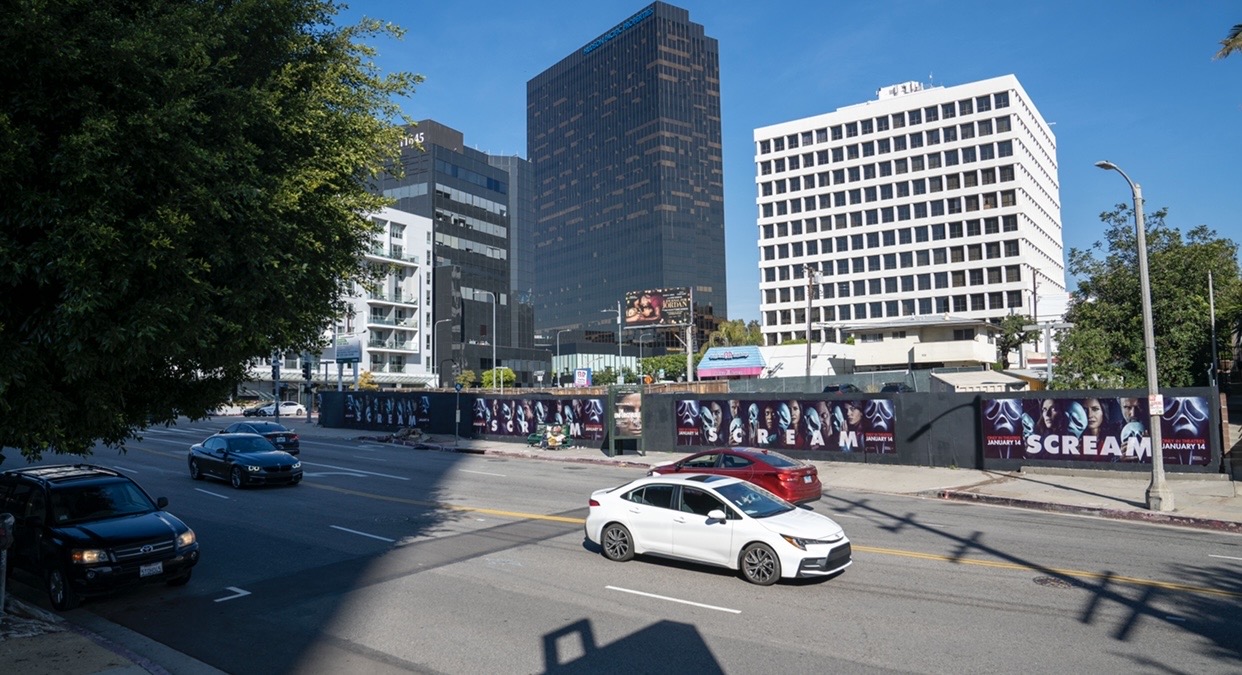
{"x":36,"y":642}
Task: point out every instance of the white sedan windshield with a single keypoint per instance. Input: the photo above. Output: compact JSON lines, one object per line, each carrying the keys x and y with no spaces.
{"x":754,"y":501}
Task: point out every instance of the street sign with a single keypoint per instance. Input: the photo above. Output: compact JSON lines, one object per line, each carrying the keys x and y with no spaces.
{"x":348,"y":349}
{"x":1155,"y":404}
{"x":457,"y":386}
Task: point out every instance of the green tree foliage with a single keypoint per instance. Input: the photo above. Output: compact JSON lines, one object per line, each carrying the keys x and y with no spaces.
{"x":731,"y":333}
{"x":466,"y":378}
{"x":1232,"y":42}
{"x":366,"y":382}
{"x":1105,"y":348}
{"x":503,"y":376}
{"x":673,"y":365}
{"x":184,"y":184}
{"x":604,"y":377}
{"x":1010,"y":336}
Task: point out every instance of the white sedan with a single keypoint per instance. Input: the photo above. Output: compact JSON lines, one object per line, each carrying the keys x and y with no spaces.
{"x":286,"y":408}
{"x":718,"y":520}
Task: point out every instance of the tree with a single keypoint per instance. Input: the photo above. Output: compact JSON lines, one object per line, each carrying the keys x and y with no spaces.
{"x":673,"y":365}
{"x":1232,"y":42}
{"x":186,"y":186}
{"x":604,"y":377}
{"x":503,"y":376}
{"x":466,"y":378}
{"x":730,"y":333}
{"x":1010,"y":336}
{"x":1105,"y":347}
{"x":366,"y":382}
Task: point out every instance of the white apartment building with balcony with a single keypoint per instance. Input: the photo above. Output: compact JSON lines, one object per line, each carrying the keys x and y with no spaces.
{"x":928,"y":204}
{"x":393,"y":320}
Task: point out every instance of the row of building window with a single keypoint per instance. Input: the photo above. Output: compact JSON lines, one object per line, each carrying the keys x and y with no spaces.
{"x":932,"y":209}
{"x":966,"y":106}
{"x":974,"y":302}
{"x":937,"y":207}
{"x":902,"y":188}
{"x":904,"y":284}
{"x":904,"y":235}
{"x":883,"y":146}
{"x":822,"y":201}
{"x":992,"y":250}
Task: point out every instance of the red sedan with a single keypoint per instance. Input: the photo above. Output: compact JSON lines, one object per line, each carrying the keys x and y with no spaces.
{"x":793,"y":480}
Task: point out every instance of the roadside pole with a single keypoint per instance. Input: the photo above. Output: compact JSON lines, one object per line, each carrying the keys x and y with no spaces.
{"x":276,"y":359}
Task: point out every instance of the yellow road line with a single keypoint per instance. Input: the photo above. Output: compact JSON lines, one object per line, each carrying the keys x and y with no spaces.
{"x":450,"y":507}
{"x":995,"y":564}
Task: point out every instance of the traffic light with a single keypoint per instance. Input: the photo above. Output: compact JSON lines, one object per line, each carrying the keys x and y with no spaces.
{"x":275,"y":371}
{"x":306,"y":370}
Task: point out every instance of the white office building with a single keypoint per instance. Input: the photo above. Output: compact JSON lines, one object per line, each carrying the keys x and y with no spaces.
{"x":926,"y":205}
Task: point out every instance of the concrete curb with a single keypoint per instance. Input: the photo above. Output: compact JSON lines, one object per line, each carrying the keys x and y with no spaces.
{"x":1114,"y":514}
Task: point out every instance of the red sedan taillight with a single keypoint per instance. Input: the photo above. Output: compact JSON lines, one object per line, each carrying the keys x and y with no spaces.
{"x":592,"y":502}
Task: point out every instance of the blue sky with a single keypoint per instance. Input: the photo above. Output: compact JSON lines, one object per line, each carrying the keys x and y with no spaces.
{"x":1133,"y":82}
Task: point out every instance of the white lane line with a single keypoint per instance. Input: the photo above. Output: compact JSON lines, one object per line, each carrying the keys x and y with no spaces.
{"x":684,"y":602}
{"x":208,"y":492}
{"x":1226,"y":557}
{"x":482,"y":473}
{"x":129,"y":470}
{"x":341,"y":468}
{"x":361,"y":534}
{"x":237,"y":593}
{"x":371,"y":459}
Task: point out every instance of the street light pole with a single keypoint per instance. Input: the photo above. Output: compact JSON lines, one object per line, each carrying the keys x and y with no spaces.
{"x":435,"y":345}
{"x":558,"y":354}
{"x":493,"y":336}
{"x":1159,"y":497}
{"x":620,"y":376}
{"x":810,"y":293}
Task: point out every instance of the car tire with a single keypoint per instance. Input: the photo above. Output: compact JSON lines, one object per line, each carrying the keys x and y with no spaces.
{"x":617,"y":543}
{"x":195,"y":472}
{"x":236,"y":479}
{"x":181,"y":580}
{"x":760,"y":565}
{"x":59,"y":593}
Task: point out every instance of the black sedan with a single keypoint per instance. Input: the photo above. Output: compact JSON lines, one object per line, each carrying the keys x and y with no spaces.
{"x":278,"y":434}
{"x":242,"y":460}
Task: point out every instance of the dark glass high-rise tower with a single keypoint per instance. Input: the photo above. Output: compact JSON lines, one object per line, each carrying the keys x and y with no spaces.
{"x":624,"y":139}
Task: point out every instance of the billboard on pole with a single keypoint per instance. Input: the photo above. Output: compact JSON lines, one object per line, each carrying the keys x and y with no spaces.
{"x":658,"y":307}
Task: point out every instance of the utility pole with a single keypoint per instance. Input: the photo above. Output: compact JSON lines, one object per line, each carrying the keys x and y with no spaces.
{"x":1213,"y":373}
{"x":1047,"y":328}
{"x":810,"y":294}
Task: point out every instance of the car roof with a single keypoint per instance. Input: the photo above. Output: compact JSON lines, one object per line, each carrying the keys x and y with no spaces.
{"x":271,"y":426}
{"x":61,"y":474}
{"x":715,"y":480}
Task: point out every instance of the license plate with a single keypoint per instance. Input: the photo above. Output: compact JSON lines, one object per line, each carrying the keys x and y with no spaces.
{"x":806,"y":479}
{"x":151,"y":569}
{"x":281,"y":439}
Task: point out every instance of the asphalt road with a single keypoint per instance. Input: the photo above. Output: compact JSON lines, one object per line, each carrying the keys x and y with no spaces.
{"x":388,"y":559}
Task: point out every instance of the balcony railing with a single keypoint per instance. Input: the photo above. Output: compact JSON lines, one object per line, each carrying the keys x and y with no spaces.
{"x":394,"y":253}
{"x":395,"y":345}
{"x":398,"y":297}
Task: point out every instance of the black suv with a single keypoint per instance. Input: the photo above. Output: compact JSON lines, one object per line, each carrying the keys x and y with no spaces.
{"x":86,"y":530}
{"x":846,"y":388}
